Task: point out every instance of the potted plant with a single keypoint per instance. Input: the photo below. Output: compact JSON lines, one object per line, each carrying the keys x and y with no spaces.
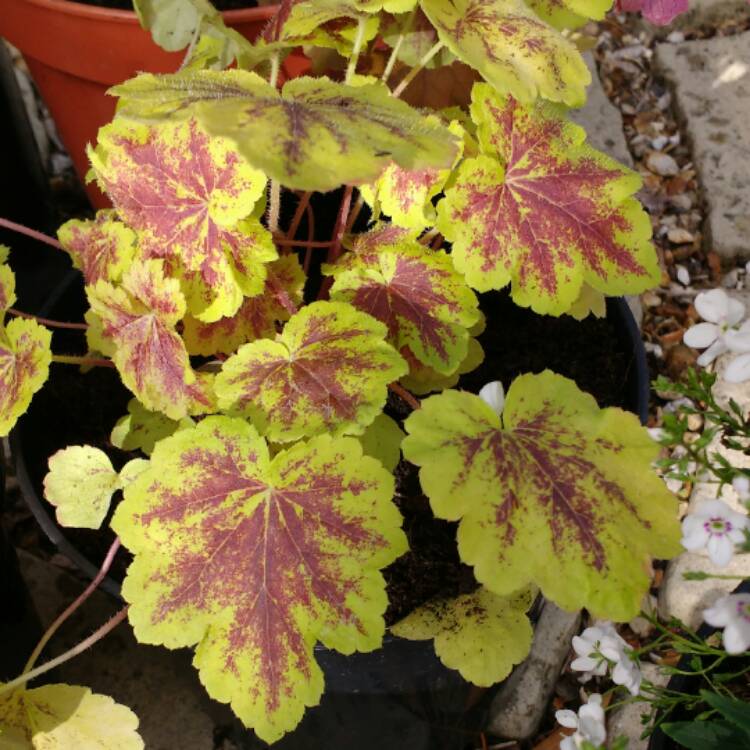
{"x":280,"y":380}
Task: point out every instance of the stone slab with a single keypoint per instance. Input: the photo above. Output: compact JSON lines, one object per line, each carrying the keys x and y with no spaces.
{"x":711,"y":82}
{"x":711,"y":12}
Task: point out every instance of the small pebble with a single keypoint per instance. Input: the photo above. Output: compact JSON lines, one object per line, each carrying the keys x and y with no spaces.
{"x":680,"y":236}
{"x":662,"y":164}
{"x":694,"y":422}
{"x":683,"y":276}
{"x":730,"y":279}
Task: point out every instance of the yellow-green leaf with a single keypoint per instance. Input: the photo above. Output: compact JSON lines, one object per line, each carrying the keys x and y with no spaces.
{"x":481,"y":634}
{"x":327,"y":372}
{"x":569,"y":14}
{"x":25,"y":357}
{"x":512,"y":48}
{"x":544,"y":211}
{"x":556,"y":492}
{"x":422,"y":379}
{"x":382,"y":440}
{"x":7,"y":283}
{"x":66,"y":717}
{"x":140,"y":429}
{"x":255,"y":559}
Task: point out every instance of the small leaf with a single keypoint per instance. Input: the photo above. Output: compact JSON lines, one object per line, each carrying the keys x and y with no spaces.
{"x":420,"y":297}
{"x":314,"y":135}
{"x":328,"y":371}
{"x":423,"y":379}
{"x":382,"y":440}
{"x":132,"y":470}
{"x":189,"y":197}
{"x":63,"y":717}
{"x":7,"y":283}
{"x":258,"y":316}
{"x":589,"y":302}
{"x":555,"y":474}
{"x":569,"y":14}
{"x":140,"y":318}
{"x":25,"y":358}
{"x":482,"y":635}
{"x":365,"y":248}
{"x":80,"y":484}
{"x":544,"y":211}
{"x":512,"y":48}
{"x":140,"y":429}
{"x":102,"y":248}
{"x":173,"y":23}
{"x":256,"y":559}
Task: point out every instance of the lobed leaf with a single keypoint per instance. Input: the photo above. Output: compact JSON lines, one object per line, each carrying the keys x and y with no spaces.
{"x":422,"y":379}
{"x":544,"y":211}
{"x":62,"y":717}
{"x":140,"y":429}
{"x":425,"y":304}
{"x":481,"y":634}
{"x":328,"y":371}
{"x":7,"y":283}
{"x":189,"y":196}
{"x":367,"y":246}
{"x":512,"y":48}
{"x":25,"y":357}
{"x":382,"y":440}
{"x":102,"y":248}
{"x":255,"y":559}
{"x":557,"y":492}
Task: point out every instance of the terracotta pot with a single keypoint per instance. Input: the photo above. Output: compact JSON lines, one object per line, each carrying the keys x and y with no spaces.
{"x":76,"y":52}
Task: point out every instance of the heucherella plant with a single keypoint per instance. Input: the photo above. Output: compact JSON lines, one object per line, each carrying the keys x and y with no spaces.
{"x":259,"y":501}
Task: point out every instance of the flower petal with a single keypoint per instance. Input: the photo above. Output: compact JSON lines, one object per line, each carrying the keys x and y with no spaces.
{"x":567,"y":718}
{"x":719,"y":615}
{"x":738,"y":370}
{"x":712,"y":306}
{"x":717,"y":348}
{"x":737,"y":341}
{"x":701,"y":335}
{"x":735,"y":311}
{"x":737,"y":637}
{"x":494,"y":394}
{"x":720,"y":550}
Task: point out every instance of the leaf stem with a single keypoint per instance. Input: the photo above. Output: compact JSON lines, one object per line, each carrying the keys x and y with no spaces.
{"x":351,"y":69}
{"x":338,"y":232}
{"x":310,"y":235}
{"x":304,"y":202}
{"x":397,"y":47}
{"x":405,"y":395}
{"x":47,"y":321}
{"x":274,"y":206}
{"x":303,"y":243}
{"x":21,"y":229}
{"x":74,"y":606}
{"x":96,"y":636}
{"x":73,"y":359}
{"x":417,"y":69}
{"x":354,"y":215}
{"x":275,"y":65}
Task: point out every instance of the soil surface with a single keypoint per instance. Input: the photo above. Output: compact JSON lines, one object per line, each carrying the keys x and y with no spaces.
{"x":128,"y":4}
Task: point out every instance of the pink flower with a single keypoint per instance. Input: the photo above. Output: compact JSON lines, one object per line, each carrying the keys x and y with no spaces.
{"x":660,"y":12}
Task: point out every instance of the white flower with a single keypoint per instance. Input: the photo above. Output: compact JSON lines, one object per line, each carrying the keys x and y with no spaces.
{"x":494,"y":394}
{"x":721,"y":313}
{"x":732,"y":612}
{"x":588,"y":723}
{"x":741,"y":485}
{"x":601,"y":646}
{"x":738,"y":370}
{"x":716,"y":527}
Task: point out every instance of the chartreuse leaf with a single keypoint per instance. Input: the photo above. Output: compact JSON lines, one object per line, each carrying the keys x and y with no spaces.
{"x":425,"y":304}
{"x":569,"y":14}
{"x":257,"y":317}
{"x":140,"y":429}
{"x":285,"y":551}
{"x":63,"y":717}
{"x":189,"y":196}
{"x":512,"y":48}
{"x":328,"y":371}
{"x":7,"y":283}
{"x":382,"y":440}
{"x":557,"y":492}
{"x":422,"y":379}
{"x":544,"y":211}
{"x":101,"y":248}
{"x":481,"y":634}
{"x":96,"y":340}
{"x":139,"y":317}
{"x":313,"y":135}
{"x":25,"y":357}
{"x":589,"y":302}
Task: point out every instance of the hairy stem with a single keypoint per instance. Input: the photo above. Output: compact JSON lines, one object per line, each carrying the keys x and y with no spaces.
{"x":73,"y":359}
{"x":96,"y":636}
{"x":274,"y":206}
{"x":397,"y":47}
{"x":354,"y":215}
{"x":21,"y":229}
{"x":405,"y":395}
{"x":338,"y":232}
{"x":417,"y":69}
{"x":354,"y":59}
{"x":52,"y":629}
{"x":47,"y":321}
{"x":275,"y":65}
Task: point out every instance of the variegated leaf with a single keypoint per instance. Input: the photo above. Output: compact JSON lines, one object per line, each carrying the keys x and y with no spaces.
{"x":7,"y":283}
{"x":141,"y":429}
{"x":327,"y":372}
{"x":255,"y":559}
{"x":569,"y":14}
{"x":422,"y":379}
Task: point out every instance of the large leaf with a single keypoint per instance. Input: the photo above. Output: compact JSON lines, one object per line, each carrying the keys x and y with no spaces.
{"x":25,"y":358}
{"x":256,"y":559}
{"x":101,"y":248}
{"x":706,"y":735}
{"x":63,"y":717}
{"x":558,"y":492}
{"x":7,"y":283}
{"x":512,"y":48}
{"x":544,"y":211}
{"x":313,"y":135}
{"x":481,"y":634}
{"x":423,"y":301}
{"x":327,"y":372}
{"x":189,"y":196}
{"x":258,"y":316}
{"x":140,"y":318}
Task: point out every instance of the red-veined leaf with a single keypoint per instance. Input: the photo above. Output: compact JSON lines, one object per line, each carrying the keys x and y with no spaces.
{"x":7,"y":283}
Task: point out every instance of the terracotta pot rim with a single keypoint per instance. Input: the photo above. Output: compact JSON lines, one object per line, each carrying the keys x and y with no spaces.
{"x":95,"y":12}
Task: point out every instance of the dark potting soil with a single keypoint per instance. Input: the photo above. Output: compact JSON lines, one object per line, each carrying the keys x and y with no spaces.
{"x":76,"y":409}
{"x":128,"y":4}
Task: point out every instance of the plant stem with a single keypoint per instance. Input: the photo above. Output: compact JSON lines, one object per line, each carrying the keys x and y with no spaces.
{"x":96,"y":636}
{"x":47,"y":321}
{"x":397,"y":47}
{"x":74,"y":606}
{"x":274,"y":206}
{"x":699,"y":575}
{"x":304,"y":202}
{"x":310,"y":235}
{"x":73,"y":359}
{"x":409,"y":398}
{"x":354,"y":59}
{"x":338,"y":232}
{"x":303,"y":243}
{"x":275,"y":65}
{"x":354,"y":215}
{"x":21,"y":229}
{"x":417,"y":69}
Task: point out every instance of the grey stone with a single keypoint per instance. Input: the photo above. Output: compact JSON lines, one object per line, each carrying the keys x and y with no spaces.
{"x":709,"y":12}
{"x":711,"y":81}
{"x":518,"y":708}
{"x":626,"y":720}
